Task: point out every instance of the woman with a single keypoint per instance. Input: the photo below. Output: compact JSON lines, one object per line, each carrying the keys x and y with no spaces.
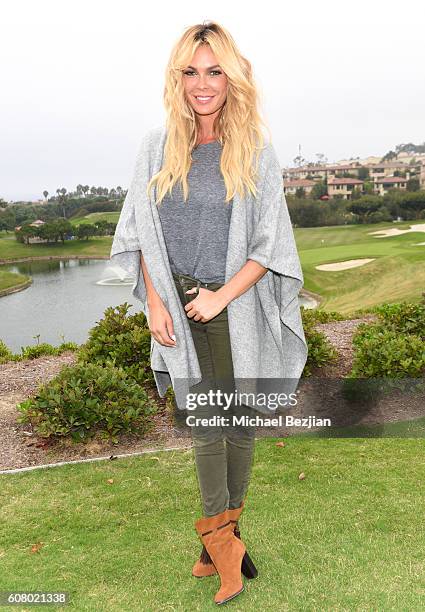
{"x":217,"y":282}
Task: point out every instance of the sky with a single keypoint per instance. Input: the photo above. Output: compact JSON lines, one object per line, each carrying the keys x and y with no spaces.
{"x":82,"y":81}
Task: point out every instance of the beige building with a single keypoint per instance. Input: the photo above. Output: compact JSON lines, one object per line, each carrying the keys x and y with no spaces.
{"x":382,"y":170}
{"x":342,"y":187}
{"x":390,"y":182}
{"x":381,"y":175}
{"x":319,"y":172}
{"x":291,"y":186}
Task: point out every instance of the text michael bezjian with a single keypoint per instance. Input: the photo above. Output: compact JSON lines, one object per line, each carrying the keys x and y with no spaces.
{"x":259,"y":421}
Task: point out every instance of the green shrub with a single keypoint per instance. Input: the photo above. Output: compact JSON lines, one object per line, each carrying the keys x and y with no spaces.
{"x":16,"y":357}
{"x":36,"y":350}
{"x":320,"y":350}
{"x":358,"y":313}
{"x":383,"y":352}
{"x":403,"y":317}
{"x":68,"y":346}
{"x":85,"y":399}
{"x":393,"y":346}
{"x":5,"y":353}
{"x":123,"y":339}
{"x":317,"y":315}
{"x":367,"y":331}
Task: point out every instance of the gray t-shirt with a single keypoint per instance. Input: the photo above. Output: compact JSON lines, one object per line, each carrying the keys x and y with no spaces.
{"x":196,"y":231}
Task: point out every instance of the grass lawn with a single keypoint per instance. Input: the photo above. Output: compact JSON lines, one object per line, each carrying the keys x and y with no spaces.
{"x":11,"y":279}
{"x":348,"y":537}
{"x":414,"y":428}
{"x":111,"y":217}
{"x":398,"y":272}
{"x":10,"y":248}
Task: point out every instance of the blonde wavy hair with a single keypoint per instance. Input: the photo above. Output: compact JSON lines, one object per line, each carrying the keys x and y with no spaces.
{"x":237,"y":127}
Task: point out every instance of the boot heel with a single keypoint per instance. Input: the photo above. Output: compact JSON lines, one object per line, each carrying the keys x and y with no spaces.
{"x":248,"y":568}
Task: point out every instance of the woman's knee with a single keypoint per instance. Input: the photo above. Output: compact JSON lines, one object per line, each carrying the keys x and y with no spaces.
{"x":212,"y":439}
{"x":240,"y":428}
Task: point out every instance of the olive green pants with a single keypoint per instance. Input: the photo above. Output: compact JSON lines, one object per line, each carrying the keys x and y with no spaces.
{"x":224,"y":452}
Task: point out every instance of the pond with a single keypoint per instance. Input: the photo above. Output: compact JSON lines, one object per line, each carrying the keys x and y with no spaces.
{"x":65,"y":300}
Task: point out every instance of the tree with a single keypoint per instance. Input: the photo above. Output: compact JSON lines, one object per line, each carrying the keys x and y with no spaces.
{"x":363,"y":173}
{"x":319,"y":189}
{"x":7,"y":220}
{"x":55,"y":230}
{"x":299,"y":161}
{"x":413,"y":184}
{"x":321,"y":159}
{"x":26,"y":232}
{"x":85,"y":230}
{"x":368,"y":188}
{"x":365,"y":207}
{"x":356,"y":193}
{"x":389,"y":156}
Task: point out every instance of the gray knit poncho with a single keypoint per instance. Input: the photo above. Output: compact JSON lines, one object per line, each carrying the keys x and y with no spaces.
{"x":269,"y":349}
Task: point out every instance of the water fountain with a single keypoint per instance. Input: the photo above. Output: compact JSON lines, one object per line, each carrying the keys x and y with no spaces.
{"x":121,"y":277}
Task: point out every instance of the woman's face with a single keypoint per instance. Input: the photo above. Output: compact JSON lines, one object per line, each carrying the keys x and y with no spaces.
{"x":203,"y":77}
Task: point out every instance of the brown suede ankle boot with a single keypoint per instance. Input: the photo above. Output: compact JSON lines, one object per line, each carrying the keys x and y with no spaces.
{"x":226,"y":552}
{"x":205,"y":567}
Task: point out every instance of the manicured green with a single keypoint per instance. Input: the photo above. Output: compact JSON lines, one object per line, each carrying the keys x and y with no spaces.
{"x":349,"y":536}
{"x":111,"y":217}
{"x":11,"y":279}
{"x":398,"y":272}
{"x":10,"y":248}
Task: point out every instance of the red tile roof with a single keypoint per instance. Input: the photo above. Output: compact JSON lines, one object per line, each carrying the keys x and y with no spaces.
{"x":392,"y":179}
{"x":344,"y":181}
{"x":299,"y":183}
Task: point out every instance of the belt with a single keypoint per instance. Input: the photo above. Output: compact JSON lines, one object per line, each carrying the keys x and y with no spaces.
{"x":185,"y":279}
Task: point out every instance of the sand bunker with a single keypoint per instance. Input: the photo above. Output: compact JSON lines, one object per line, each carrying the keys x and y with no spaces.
{"x":343,"y":265}
{"x":394,"y":231}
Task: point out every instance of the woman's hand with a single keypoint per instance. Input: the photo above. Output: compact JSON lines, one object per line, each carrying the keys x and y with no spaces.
{"x":161,"y":324}
{"x":207,"y":305}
